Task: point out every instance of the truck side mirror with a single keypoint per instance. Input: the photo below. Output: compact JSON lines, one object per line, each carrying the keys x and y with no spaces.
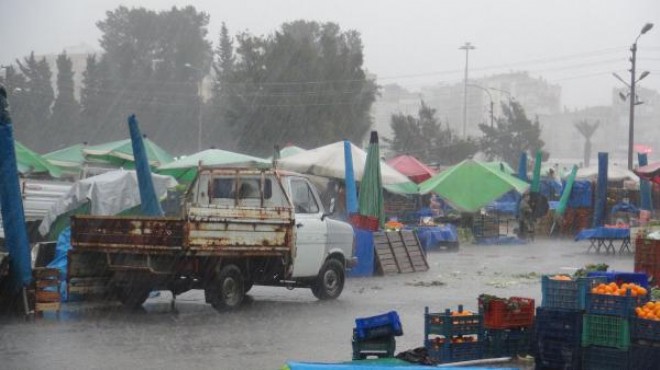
{"x":330,"y":211}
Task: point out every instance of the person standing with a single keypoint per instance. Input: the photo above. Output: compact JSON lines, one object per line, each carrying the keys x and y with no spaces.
{"x":525,"y":218}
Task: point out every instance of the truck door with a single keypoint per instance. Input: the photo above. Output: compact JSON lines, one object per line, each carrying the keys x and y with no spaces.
{"x":311,"y":231}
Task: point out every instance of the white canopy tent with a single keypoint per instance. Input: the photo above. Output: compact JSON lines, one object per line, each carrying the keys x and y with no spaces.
{"x":109,"y":194}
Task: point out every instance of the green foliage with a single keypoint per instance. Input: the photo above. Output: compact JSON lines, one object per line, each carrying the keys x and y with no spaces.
{"x":303,"y":84}
{"x":17,"y":97}
{"x":424,"y":137}
{"x":152,"y":65}
{"x":583,"y":272}
{"x":513,"y":133}
{"x":31,"y":110}
{"x":66,"y":110}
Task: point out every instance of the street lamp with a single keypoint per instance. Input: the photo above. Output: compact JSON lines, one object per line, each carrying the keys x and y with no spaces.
{"x":199,"y":103}
{"x":633,"y":96}
{"x":467,"y":47}
{"x":490,"y":97}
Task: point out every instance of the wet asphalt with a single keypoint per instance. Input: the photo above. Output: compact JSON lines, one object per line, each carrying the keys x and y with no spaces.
{"x":276,"y":325}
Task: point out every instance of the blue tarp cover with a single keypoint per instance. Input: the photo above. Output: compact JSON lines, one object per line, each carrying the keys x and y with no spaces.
{"x":603,"y":233}
{"x":60,"y":261}
{"x":430,"y":237}
{"x":375,"y":364}
{"x":364,"y":251}
{"x":581,"y":194}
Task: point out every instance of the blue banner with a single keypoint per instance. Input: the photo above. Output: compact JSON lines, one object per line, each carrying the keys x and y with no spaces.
{"x":351,"y":190}
{"x":644,"y":186}
{"x":601,"y":191}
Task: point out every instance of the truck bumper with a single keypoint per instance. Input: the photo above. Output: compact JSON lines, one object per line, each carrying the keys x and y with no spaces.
{"x":351,"y":262}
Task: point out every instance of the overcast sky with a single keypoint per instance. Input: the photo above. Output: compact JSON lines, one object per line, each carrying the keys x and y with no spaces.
{"x":574,"y":43}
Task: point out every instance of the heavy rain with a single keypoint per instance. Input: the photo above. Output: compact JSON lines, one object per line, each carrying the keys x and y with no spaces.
{"x":305,"y":185}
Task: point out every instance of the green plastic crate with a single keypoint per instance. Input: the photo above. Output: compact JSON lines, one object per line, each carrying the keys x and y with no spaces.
{"x":606,"y":331}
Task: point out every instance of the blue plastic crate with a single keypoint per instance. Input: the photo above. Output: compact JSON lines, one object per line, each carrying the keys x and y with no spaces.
{"x":507,"y":342}
{"x":558,"y":324}
{"x":641,"y":329}
{"x":567,"y":294}
{"x":454,"y":352}
{"x":620,"y":277}
{"x":447,"y":325}
{"x":622,"y":306}
{"x":644,"y":357}
{"x":553,"y":353}
{"x":604,"y":358}
{"x":387,"y":324}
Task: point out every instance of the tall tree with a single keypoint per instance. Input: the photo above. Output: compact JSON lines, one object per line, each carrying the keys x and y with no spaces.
{"x":513,"y":133}
{"x":424,"y":137}
{"x":153,"y":64}
{"x":91,"y":96}
{"x":39,"y":96}
{"x":587,"y":130}
{"x":16,"y":86}
{"x":223,"y":66}
{"x":66,"y":110}
{"x":303,"y":84}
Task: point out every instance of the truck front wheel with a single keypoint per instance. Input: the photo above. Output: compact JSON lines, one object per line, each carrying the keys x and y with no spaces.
{"x":330,"y":281}
{"x":227,"y":289}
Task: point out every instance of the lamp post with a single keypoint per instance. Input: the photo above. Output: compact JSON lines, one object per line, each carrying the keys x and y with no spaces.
{"x":467,"y":47}
{"x":633,"y":96}
{"x":490,"y":97}
{"x":199,"y":104}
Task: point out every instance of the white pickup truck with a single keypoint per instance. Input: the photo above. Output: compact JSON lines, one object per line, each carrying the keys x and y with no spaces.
{"x":238,"y":228}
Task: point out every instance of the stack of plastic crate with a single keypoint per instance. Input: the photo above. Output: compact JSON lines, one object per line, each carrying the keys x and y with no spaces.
{"x":606,"y":329}
{"x":375,"y":336}
{"x":645,"y":339}
{"x":647,"y":257}
{"x":558,"y":324}
{"x":453,"y":336}
{"x":508,"y":325}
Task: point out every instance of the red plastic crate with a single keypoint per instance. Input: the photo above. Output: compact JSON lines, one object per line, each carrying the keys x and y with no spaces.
{"x":364,"y":222}
{"x":647,"y":252}
{"x":499,"y":314}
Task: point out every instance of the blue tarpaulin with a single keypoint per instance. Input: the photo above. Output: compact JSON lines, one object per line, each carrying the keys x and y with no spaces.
{"x":603,"y":233}
{"x":349,"y":179}
{"x":581,"y":194}
{"x":11,"y":202}
{"x":432,"y":237}
{"x":60,"y":260}
{"x":364,"y":251}
{"x":644,"y":186}
{"x":149,"y":205}
{"x":601,"y":191}
{"x":384,"y":364}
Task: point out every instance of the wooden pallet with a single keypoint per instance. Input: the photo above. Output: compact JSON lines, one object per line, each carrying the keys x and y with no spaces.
{"x":399,"y":252}
{"x":46,"y":289}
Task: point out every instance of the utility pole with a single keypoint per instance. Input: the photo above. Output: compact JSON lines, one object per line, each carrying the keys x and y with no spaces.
{"x":467,"y":47}
{"x":633,"y":96}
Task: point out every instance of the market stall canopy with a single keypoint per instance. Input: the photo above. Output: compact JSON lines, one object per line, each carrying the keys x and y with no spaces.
{"x":70,"y":157}
{"x":288,"y":151}
{"x":28,"y":161}
{"x":121,"y":153}
{"x":614,"y":173}
{"x":412,"y":167}
{"x":185,"y":169}
{"x":500,"y":166}
{"x":328,"y":161}
{"x":471,"y":185}
{"x":650,"y":172}
{"x":108,"y":194}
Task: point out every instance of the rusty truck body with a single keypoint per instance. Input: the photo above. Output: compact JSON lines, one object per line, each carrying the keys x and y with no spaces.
{"x":238,"y":228}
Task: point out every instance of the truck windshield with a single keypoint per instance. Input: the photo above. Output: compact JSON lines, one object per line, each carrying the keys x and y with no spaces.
{"x":303,"y":198}
{"x":246,"y":188}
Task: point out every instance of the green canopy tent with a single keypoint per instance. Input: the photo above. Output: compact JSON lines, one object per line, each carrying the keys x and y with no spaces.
{"x":69,"y":159}
{"x":120,"y":153}
{"x":185,"y":169}
{"x":500,"y":166}
{"x":288,"y":151}
{"x":28,"y":161}
{"x":471,"y":185}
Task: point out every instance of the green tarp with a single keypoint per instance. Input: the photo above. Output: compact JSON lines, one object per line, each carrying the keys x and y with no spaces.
{"x":185,"y":169}
{"x":120,"y":153}
{"x":471,"y":185}
{"x":28,"y":161}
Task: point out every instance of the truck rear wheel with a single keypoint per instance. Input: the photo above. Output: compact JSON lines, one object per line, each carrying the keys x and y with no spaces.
{"x":330,"y":281}
{"x":227,"y":290}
